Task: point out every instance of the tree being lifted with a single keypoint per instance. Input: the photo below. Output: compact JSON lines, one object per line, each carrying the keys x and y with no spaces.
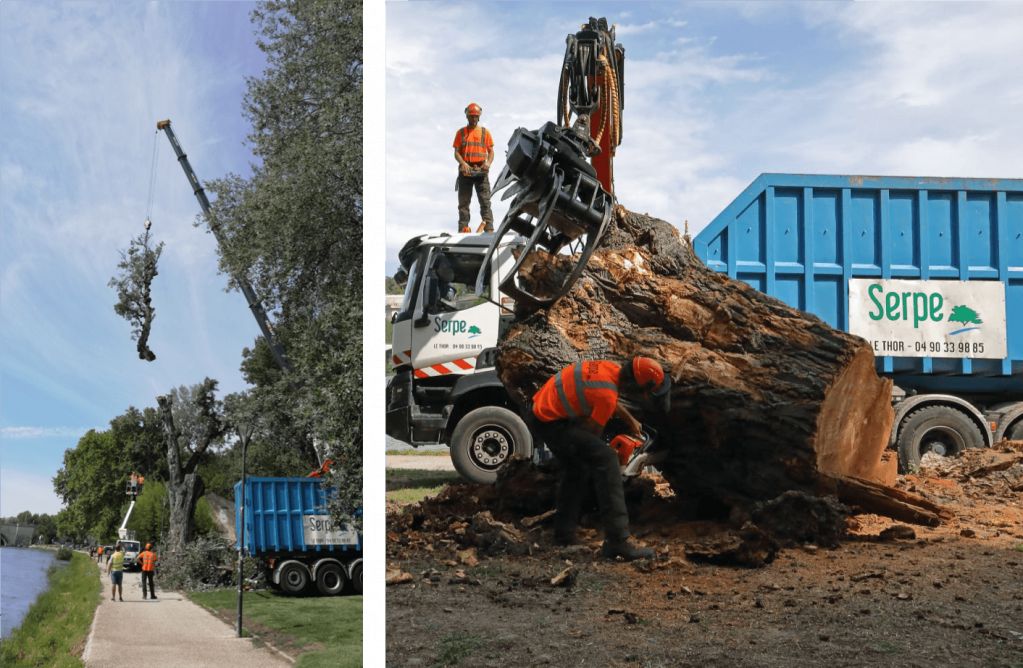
{"x":133,"y":284}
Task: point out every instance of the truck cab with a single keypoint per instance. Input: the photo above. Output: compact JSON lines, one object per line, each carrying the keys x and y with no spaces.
{"x":131,"y":554}
{"x":445,"y":388}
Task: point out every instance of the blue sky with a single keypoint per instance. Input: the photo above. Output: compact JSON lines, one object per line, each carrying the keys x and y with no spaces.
{"x":715,"y":94}
{"x":82,"y":86}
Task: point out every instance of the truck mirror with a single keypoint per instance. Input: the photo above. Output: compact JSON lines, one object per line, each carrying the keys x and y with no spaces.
{"x":401,"y":277}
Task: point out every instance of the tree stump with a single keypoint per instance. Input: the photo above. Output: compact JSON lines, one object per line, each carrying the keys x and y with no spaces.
{"x":765,"y":398}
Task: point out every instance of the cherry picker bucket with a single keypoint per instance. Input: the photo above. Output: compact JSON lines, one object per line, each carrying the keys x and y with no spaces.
{"x":559,"y":204}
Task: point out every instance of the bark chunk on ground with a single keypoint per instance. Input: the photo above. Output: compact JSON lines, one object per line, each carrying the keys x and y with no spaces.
{"x":765,"y":398}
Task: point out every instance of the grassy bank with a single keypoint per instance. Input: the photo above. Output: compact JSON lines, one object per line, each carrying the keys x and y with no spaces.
{"x":53,"y":632}
{"x":411,"y":485}
{"x":320,"y":631}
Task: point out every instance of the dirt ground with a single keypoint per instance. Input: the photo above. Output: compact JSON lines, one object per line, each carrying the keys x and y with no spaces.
{"x":915,"y":596}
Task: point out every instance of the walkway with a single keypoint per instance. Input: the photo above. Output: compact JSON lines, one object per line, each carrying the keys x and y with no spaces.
{"x":170,"y":631}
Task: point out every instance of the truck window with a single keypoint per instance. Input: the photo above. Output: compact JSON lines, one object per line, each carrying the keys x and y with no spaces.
{"x":456,"y":273}
{"x":410,"y":289}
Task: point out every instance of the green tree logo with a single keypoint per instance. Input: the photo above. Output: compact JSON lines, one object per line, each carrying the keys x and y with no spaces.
{"x":965,"y":315}
{"x":474,"y":331}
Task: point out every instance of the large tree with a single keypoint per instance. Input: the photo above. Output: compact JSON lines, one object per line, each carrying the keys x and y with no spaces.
{"x":193,"y":423}
{"x":294,"y":228}
{"x":91,"y":485}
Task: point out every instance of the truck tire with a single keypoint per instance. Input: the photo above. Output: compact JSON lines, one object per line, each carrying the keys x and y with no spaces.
{"x":357,"y":578}
{"x":939,"y":429}
{"x":294,"y":578}
{"x":330,"y":579}
{"x":1015,"y":432}
{"x":484,"y":440}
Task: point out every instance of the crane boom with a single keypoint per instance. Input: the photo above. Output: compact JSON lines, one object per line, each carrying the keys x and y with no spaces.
{"x":258,"y":312}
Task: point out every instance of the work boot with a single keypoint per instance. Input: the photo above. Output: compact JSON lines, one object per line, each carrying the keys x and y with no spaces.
{"x":612,"y":549}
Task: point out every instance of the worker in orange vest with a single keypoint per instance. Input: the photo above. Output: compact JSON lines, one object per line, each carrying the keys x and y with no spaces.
{"x":569,"y":414}
{"x":474,"y":151}
{"x":148,"y":560}
{"x":99,"y":554}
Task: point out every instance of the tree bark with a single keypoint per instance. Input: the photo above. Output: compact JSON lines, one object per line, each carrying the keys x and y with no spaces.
{"x":765,"y":398}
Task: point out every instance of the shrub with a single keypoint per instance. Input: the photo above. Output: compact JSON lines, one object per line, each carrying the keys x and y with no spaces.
{"x":64,"y":553}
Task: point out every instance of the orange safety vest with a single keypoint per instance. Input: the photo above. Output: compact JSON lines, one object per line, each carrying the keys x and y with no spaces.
{"x":560,"y":398}
{"x":148,"y":560}
{"x":473,"y":145}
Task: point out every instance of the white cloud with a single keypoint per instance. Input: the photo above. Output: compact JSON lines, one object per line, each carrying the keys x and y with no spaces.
{"x":42,"y":432}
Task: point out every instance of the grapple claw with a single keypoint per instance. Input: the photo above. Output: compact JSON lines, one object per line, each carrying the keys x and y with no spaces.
{"x":558,"y":201}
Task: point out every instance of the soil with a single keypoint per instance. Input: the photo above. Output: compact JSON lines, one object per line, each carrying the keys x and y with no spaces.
{"x":472,"y":584}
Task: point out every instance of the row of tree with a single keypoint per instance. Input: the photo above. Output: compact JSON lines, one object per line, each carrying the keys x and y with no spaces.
{"x":294,"y":229}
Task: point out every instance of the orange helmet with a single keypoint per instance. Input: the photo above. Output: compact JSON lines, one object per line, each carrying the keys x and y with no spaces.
{"x":650,"y":376}
{"x":473,"y":109}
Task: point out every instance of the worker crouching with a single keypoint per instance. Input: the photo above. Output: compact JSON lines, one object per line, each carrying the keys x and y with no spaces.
{"x":569,"y":414}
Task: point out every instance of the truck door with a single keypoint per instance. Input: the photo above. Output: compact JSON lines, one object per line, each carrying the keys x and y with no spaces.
{"x":455,"y":324}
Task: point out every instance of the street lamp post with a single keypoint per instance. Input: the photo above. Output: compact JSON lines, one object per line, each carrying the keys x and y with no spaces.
{"x":241,"y":534}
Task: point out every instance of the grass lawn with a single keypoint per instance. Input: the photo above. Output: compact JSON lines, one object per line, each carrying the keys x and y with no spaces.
{"x":411,"y":485}
{"x":321,"y":631}
{"x":416,"y":452}
{"x":53,"y":632}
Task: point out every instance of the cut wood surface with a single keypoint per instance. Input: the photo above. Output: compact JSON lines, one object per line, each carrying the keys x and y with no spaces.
{"x":765,"y":398}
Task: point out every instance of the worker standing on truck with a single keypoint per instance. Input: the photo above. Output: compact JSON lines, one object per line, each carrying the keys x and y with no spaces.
{"x":115,"y":568}
{"x":569,"y":414}
{"x":148,"y":560}
{"x":474,"y":151}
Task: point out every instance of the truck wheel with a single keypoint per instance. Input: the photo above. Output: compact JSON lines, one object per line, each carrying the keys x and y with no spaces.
{"x":942,"y":430}
{"x":1015,"y":432}
{"x":357,"y":578}
{"x":484,"y":440}
{"x":330,"y":579}
{"x":294,"y":578}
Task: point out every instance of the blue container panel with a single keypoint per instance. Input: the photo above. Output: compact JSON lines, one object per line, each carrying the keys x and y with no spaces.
{"x":274,"y":518}
{"x":942,"y":240}
{"x":865,"y":219}
{"x":827,"y":230}
{"x":904,"y":224}
{"x":801,"y":238}
{"x":788,"y":227}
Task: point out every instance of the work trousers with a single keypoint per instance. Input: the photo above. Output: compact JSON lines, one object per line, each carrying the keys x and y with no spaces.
{"x":148,"y":576}
{"x":465,"y":185}
{"x":583,"y":458}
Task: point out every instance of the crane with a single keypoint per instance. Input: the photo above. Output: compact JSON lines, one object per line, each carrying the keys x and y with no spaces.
{"x":258,"y":312}
{"x":561,"y":176}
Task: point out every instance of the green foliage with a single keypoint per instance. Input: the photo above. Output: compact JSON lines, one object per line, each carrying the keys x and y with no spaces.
{"x":138,"y":269}
{"x":140,"y":434}
{"x":392,"y":287}
{"x":965,"y":315}
{"x":202,"y":564}
{"x":322,"y":631}
{"x":151,"y":518}
{"x":45,"y":525}
{"x":294,"y":228}
{"x":64,"y":553}
{"x":91,"y":484}
{"x":54,"y":630}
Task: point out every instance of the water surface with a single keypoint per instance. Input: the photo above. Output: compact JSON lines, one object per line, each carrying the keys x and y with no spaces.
{"x":22,"y":579}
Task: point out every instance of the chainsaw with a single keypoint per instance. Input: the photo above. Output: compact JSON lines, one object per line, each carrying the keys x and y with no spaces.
{"x":635,"y":453}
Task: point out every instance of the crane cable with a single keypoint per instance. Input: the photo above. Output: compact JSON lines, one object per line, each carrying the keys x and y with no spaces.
{"x":152,"y":182}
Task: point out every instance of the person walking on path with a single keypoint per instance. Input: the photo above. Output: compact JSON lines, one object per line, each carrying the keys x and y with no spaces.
{"x":99,"y":554}
{"x":569,"y":414}
{"x":148,"y":560}
{"x":115,"y":567}
{"x":474,"y":151}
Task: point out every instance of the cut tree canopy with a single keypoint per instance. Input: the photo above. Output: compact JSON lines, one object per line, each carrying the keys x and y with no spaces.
{"x":765,"y":398}
{"x":134,"y":304}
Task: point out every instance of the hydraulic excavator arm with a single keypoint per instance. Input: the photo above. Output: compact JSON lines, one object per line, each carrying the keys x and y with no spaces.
{"x":561,"y":175}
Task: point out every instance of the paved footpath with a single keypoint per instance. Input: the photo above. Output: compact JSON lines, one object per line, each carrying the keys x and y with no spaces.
{"x":170,"y":631}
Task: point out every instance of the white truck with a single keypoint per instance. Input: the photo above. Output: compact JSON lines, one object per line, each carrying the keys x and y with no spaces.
{"x":445,"y":388}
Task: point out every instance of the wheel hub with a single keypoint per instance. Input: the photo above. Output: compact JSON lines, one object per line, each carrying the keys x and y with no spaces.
{"x":490,"y":447}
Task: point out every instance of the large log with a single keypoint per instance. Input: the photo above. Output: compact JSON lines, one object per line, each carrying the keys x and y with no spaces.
{"x":765,"y":398}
